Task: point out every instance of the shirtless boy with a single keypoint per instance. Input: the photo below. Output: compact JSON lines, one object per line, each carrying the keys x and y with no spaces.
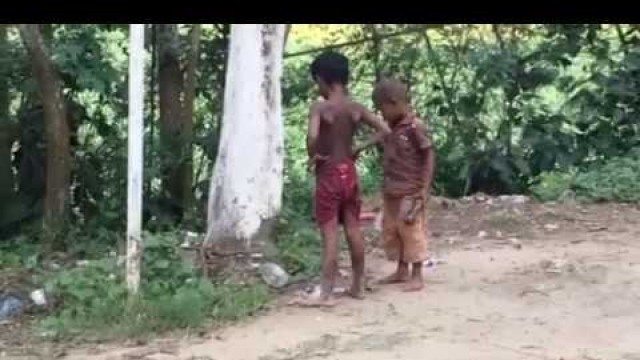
{"x":332,"y":125}
{"x":408,"y":165}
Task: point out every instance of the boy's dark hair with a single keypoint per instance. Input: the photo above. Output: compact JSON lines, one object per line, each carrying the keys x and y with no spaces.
{"x":389,"y":89}
{"x":332,"y":67}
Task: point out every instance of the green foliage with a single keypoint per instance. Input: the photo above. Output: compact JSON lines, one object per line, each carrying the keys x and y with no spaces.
{"x":93,"y":302}
{"x":617,"y":179}
{"x":19,"y":252}
{"x":554,"y":185}
{"x":505,"y":103}
{"x":191,"y":306}
{"x":299,"y":245}
{"x":92,"y":62}
{"x":163,"y":268}
{"x":84,"y":289}
{"x":370,"y":172}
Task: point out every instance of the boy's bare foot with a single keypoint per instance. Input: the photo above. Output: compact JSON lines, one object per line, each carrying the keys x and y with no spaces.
{"x":356,"y":292}
{"x":413,"y":285}
{"x":395,"y":278}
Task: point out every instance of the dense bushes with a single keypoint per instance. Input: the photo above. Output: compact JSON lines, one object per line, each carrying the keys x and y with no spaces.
{"x":616,"y":179}
{"x":505,"y":103}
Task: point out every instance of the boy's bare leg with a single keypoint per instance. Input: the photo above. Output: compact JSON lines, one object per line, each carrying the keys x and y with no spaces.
{"x":356,"y":250}
{"x":329,"y":232}
{"x":393,"y":242}
{"x":416,"y":283}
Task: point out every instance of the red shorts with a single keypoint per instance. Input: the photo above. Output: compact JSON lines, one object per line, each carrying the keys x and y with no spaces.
{"x":337,"y":192}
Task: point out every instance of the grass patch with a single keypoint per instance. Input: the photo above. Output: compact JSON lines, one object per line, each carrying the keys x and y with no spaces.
{"x":93,"y":304}
{"x":190,"y":307}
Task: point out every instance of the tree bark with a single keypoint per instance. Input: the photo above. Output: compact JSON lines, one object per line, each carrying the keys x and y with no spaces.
{"x":46,"y":31}
{"x":375,"y":50}
{"x":246,"y":186}
{"x":8,"y":130}
{"x":188,"y":106}
{"x":226,"y":32}
{"x":153,"y":77}
{"x":56,"y":130}
{"x":135,"y":156}
{"x":218,"y":89}
{"x":505,"y":129}
{"x":171,"y":84}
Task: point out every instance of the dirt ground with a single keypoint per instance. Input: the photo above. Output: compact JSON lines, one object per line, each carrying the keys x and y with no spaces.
{"x":509,"y":280}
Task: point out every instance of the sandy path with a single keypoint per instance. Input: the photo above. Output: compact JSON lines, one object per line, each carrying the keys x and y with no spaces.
{"x":568,"y":296}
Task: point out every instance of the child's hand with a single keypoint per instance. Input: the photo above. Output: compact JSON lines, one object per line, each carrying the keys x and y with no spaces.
{"x":313,"y":162}
{"x":410,"y":209}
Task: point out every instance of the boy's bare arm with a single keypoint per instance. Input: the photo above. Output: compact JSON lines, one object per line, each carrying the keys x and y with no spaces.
{"x":312,"y":137}
{"x":313,"y":130}
{"x":371,"y":120}
{"x":429,"y":168}
{"x":373,"y":140}
{"x":378,"y":124}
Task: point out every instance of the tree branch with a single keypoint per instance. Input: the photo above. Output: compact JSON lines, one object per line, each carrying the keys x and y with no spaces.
{"x":622,"y":38}
{"x":363,"y":40}
{"x":287,"y":30}
{"x":439,"y":71}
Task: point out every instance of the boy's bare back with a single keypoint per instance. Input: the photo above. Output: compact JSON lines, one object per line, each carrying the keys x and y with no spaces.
{"x":338,"y":122}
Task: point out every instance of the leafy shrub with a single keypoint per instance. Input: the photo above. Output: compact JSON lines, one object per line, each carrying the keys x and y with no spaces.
{"x":299,"y":244}
{"x":94,"y":304}
{"x":617,"y":179}
{"x":84,"y":288}
{"x":553,"y":185}
{"x":163,"y":269}
{"x":191,"y":306}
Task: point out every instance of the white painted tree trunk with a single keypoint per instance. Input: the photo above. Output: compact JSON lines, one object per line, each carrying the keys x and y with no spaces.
{"x":135,"y":156}
{"x":246,"y":186}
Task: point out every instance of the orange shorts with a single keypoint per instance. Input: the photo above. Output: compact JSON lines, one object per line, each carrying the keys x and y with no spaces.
{"x":402,"y":241}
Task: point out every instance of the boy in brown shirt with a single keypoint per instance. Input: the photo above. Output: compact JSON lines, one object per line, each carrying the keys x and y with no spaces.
{"x":408,"y":165}
{"x":332,"y":126}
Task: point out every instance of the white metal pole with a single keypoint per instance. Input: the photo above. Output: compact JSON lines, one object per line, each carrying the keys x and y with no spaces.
{"x":135,"y":156}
